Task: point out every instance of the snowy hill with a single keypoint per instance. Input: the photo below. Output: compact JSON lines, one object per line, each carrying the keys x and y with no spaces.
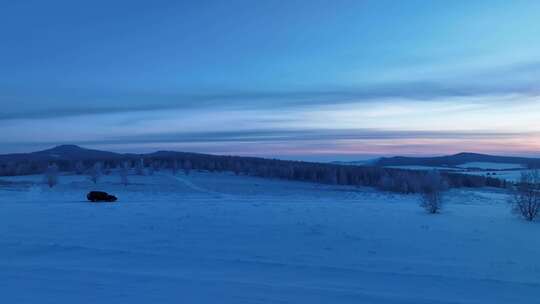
{"x":64,"y":152}
{"x":456,"y":160}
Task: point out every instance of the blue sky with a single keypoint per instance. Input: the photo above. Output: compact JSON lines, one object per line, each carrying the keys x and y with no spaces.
{"x":295,"y":79}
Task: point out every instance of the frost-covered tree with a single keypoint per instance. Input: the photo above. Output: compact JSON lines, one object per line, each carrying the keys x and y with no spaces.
{"x":431,"y":196}
{"x":187,"y":167}
{"x":237,"y":168}
{"x":150,"y":170}
{"x":123,"y":171}
{"x":156,"y":166}
{"x":95,"y":172}
{"x":106,"y":169}
{"x":174,"y":167}
{"x":386,"y":183}
{"x":526,"y":195}
{"x":51,"y":175}
{"x":79,"y":168}
{"x":139,"y":167}
{"x":211,"y":166}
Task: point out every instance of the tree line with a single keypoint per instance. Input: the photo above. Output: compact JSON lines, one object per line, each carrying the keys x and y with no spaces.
{"x":387,"y":179}
{"x":431,"y":185}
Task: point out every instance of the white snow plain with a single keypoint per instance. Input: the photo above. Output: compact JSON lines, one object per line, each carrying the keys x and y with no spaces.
{"x":492,"y":166}
{"x":428,"y":168}
{"x":220,"y":238}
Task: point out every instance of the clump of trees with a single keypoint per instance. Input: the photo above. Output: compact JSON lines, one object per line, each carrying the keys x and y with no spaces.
{"x":525,"y":198}
{"x":51,"y":175}
{"x":387,"y":179}
{"x":431,"y":195}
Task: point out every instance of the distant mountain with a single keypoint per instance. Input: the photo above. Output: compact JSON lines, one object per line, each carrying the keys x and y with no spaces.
{"x":77,"y":153}
{"x":455,"y":160}
{"x":64,"y":153}
{"x":67,"y":159}
{"x":70,"y":153}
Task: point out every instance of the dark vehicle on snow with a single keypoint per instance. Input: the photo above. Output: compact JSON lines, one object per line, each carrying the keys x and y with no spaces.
{"x":100,"y":196}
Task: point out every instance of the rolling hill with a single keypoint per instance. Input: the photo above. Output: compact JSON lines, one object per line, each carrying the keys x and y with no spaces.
{"x":64,"y":152}
{"x":456,"y":160}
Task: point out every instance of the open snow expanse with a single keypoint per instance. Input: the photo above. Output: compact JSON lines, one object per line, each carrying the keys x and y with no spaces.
{"x":427,"y":168}
{"x":509,"y":175}
{"x":219,"y":238}
{"x":492,"y":166}
{"x":508,"y":172}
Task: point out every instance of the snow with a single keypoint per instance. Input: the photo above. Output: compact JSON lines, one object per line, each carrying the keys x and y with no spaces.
{"x":491,"y":166}
{"x":509,"y":172}
{"x":509,"y":175}
{"x":419,"y":167}
{"x":220,"y":238}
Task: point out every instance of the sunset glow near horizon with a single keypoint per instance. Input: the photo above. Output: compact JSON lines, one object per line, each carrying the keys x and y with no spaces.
{"x":316,"y":80}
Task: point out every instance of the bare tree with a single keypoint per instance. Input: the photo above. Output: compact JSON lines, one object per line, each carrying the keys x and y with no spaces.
{"x":431,"y":196}
{"x":237,"y":168}
{"x":174,"y":167}
{"x":79,"y":168}
{"x":187,"y":167}
{"x":211,"y":166}
{"x":156,"y":166}
{"x":150,"y":170}
{"x":525,"y":198}
{"x":95,"y":172}
{"x":106,"y":169}
{"x":139,"y":167}
{"x":51,"y":175}
{"x":124,"y":172}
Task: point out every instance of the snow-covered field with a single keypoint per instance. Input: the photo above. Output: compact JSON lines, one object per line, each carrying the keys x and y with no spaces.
{"x":219,"y":238}
{"x":509,"y":175}
{"x":417,"y":167}
{"x":492,"y":166}
{"x":509,"y":172}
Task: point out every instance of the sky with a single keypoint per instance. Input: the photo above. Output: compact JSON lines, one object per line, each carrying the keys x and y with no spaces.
{"x":314,"y":80}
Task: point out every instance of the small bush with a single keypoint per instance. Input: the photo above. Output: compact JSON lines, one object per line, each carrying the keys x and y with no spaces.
{"x":94,"y":174}
{"x":124,"y":172}
{"x":431,"y":196}
{"x":525,"y":198}
{"x":51,"y":175}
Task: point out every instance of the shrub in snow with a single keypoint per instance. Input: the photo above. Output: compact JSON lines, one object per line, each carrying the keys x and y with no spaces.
{"x":150,"y":170}
{"x":526,"y":195}
{"x":431,"y":196}
{"x":187,"y":167}
{"x":174,"y":167}
{"x":124,"y":172}
{"x":139,"y":167}
{"x":237,"y":168}
{"x":95,"y":173}
{"x":386,"y":183}
{"x":156,"y":166}
{"x":79,"y":168}
{"x":51,"y":175}
{"x":107,"y":170}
